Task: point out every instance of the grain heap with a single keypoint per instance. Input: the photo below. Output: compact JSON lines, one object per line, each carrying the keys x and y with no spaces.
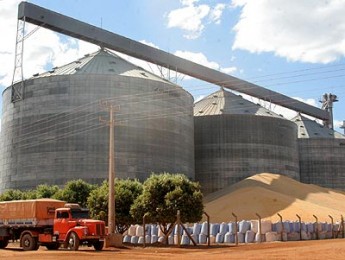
{"x":268,"y":194}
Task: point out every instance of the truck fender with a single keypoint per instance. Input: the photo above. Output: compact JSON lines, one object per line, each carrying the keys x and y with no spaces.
{"x":31,"y":232}
{"x":78,"y":230}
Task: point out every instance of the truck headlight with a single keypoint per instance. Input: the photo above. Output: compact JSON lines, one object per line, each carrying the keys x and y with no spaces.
{"x":86,"y":231}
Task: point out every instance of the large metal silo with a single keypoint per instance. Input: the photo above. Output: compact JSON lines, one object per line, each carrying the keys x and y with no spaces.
{"x":235,"y":139}
{"x":55,"y":134}
{"x":321,"y":153}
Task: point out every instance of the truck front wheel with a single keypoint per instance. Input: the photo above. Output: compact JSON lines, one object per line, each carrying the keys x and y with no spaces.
{"x":98,"y":245}
{"x":3,"y":243}
{"x":73,"y":242}
{"x":29,"y":243}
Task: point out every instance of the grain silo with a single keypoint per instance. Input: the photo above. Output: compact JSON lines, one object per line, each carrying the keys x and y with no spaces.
{"x":321,"y":153}
{"x":54,"y":134}
{"x":235,"y":138}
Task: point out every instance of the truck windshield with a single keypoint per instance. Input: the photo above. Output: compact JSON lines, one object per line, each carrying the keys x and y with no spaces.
{"x":80,"y":213}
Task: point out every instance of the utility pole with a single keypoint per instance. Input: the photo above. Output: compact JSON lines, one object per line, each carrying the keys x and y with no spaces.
{"x":113,"y":239}
{"x":111,"y":209}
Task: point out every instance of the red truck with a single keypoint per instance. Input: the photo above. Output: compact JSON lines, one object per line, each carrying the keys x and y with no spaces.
{"x":50,"y":223}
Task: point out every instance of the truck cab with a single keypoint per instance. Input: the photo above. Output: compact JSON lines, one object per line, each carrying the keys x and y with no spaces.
{"x":73,"y":227}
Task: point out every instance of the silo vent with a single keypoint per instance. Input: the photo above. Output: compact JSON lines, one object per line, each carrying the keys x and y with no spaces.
{"x":201,"y":111}
{"x":36,"y":74}
{"x":78,"y":62}
{"x":87,"y":55}
{"x":214,"y":103}
{"x":77,"y":68}
{"x":316,"y":133}
{"x":215,"y":96}
{"x":302,"y":126}
{"x":144,"y":74}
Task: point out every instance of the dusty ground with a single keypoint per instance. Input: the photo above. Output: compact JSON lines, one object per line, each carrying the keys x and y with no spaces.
{"x":324,"y":249}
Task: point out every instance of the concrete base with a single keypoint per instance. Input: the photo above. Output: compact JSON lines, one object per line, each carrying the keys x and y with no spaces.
{"x":113,"y":240}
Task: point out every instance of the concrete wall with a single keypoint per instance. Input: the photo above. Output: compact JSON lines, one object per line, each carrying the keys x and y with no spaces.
{"x":230,"y":148}
{"x":322,"y":162}
{"x":43,"y":143}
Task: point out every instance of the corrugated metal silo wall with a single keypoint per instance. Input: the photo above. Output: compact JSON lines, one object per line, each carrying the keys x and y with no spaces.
{"x":322,"y":162}
{"x":230,"y":148}
{"x":42,"y":143}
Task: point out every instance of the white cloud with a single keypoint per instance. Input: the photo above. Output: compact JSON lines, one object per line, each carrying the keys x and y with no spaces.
{"x":216,"y":13}
{"x":229,"y":70}
{"x":191,"y":18}
{"x":8,"y":23}
{"x":307,"y":31}
{"x":188,"y":2}
{"x":42,"y":48}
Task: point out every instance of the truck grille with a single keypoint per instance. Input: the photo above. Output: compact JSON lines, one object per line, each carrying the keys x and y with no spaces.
{"x":100,"y":229}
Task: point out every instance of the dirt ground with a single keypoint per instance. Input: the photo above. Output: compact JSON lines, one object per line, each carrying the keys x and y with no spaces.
{"x":322,"y":249}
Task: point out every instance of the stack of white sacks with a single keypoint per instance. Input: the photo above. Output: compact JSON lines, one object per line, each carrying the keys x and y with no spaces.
{"x":248,"y":232}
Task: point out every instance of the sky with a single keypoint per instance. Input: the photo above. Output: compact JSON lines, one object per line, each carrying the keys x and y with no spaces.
{"x":294,"y":47}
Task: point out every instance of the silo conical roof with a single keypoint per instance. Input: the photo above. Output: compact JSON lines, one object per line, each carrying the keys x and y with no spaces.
{"x":224,"y":102}
{"x":308,"y":128}
{"x":101,"y":62}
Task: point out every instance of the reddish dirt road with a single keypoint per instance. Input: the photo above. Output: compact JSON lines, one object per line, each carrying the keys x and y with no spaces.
{"x":324,"y":249}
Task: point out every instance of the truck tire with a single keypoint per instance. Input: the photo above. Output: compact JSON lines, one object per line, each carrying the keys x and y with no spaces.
{"x":28,"y":242}
{"x":73,"y":242}
{"x":98,"y":245}
{"x":3,"y":243}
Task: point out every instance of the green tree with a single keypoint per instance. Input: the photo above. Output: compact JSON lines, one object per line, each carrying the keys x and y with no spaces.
{"x":97,"y":202}
{"x":76,"y":191}
{"x":45,"y":191}
{"x":163,"y":195}
{"x":29,"y":195}
{"x":12,"y":194}
{"x":126,"y":191}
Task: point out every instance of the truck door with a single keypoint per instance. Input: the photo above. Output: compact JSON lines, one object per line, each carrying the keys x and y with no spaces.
{"x":61,"y":226}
